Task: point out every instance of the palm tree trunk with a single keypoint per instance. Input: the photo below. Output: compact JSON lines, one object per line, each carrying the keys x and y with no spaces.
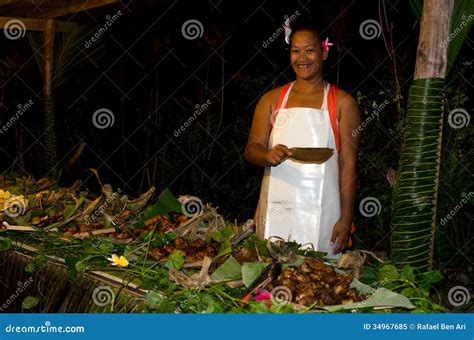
{"x":49,"y":129}
{"x":415,"y":195}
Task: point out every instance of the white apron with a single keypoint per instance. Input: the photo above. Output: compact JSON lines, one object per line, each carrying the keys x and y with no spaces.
{"x":301,"y":202}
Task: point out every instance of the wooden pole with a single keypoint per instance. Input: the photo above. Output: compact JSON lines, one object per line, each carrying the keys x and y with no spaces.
{"x":431,"y":57}
{"x":48,"y":50}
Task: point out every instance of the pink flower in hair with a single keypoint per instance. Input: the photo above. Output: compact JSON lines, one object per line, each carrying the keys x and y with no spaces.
{"x":326,"y":44}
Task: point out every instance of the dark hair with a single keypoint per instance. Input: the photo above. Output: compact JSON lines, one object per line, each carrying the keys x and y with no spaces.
{"x":305,"y":23}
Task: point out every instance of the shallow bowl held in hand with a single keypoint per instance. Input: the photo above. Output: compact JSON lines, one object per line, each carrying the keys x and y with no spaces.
{"x":311,"y":155}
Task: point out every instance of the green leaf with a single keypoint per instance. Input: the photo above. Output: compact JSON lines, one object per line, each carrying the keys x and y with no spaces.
{"x":175,"y":260}
{"x":71,"y":264}
{"x":81,"y":266}
{"x":229,"y":270}
{"x":29,"y":302}
{"x":224,"y":249}
{"x":222,"y":235}
{"x":107,"y":246}
{"x":408,"y":273}
{"x":5,"y":244}
{"x":69,"y":210}
{"x":30,"y":267}
{"x":388,"y":273}
{"x":251,"y":270}
{"x":164,"y":204}
{"x":153,"y":299}
{"x":369,"y":275}
{"x":428,"y":278}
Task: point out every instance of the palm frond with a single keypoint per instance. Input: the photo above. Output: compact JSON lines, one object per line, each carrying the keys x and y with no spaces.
{"x":70,"y":50}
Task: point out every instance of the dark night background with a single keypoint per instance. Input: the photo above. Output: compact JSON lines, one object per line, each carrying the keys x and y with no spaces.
{"x":151,"y":77}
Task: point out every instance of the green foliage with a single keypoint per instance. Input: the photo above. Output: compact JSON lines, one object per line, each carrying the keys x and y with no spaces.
{"x":175,"y":260}
{"x":417,"y":287}
{"x":29,"y":302}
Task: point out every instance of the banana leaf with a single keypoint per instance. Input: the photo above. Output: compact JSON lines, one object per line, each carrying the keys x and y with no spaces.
{"x":415,"y":191}
{"x":377,"y":298}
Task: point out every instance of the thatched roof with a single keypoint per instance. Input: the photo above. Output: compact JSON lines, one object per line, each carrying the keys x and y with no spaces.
{"x":46,"y":9}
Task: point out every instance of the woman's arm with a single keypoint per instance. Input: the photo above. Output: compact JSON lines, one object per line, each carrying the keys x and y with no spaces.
{"x":256,"y":150}
{"x":349,"y":121}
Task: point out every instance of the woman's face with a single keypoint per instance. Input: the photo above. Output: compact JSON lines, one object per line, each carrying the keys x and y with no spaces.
{"x":306,"y":54}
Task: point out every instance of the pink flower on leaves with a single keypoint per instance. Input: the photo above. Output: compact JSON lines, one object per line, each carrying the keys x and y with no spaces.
{"x":263,"y":295}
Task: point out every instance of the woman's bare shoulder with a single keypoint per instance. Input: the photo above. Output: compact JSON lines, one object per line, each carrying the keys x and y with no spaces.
{"x":346,"y":103}
{"x":271,"y":97}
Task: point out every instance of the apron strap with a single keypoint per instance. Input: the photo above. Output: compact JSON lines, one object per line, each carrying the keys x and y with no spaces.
{"x":332,"y":108}
{"x":284,"y":94}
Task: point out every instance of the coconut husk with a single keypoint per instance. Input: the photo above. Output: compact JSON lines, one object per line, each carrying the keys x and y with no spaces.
{"x":196,"y":280}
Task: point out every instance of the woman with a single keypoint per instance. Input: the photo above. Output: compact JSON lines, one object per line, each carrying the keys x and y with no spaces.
{"x":306,"y":203}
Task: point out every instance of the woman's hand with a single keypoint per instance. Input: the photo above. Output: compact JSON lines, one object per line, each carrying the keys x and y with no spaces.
{"x":279,"y":153}
{"x":341,"y":232}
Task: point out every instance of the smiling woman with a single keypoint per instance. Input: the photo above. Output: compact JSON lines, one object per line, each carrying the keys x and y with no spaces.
{"x":306,"y":203}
